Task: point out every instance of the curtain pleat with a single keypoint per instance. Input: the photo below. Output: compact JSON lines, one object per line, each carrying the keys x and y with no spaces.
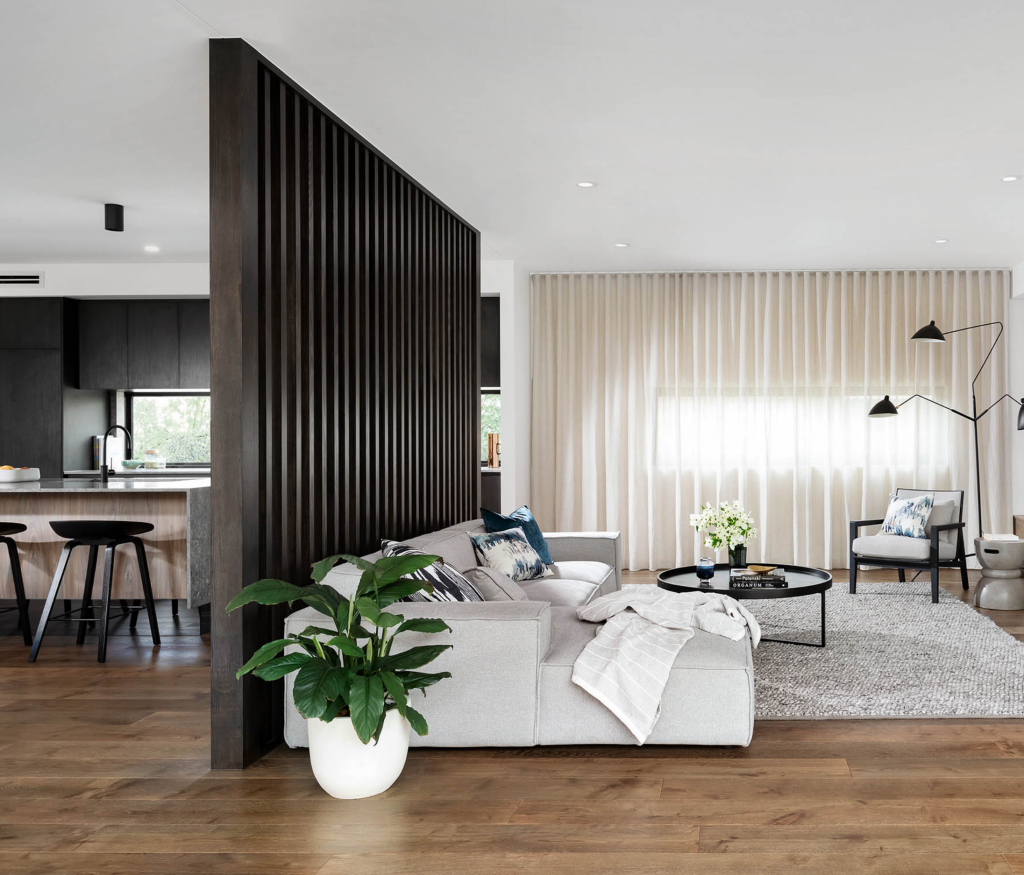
{"x":655,"y":393}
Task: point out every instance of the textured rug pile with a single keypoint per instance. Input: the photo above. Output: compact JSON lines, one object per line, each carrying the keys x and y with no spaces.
{"x":890,"y":653}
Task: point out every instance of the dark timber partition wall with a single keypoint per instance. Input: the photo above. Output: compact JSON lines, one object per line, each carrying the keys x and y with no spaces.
{"x":345,"y":361}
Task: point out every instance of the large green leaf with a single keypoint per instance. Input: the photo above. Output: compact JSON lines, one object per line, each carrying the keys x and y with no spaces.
{"x":416,"y":720}
{"x":266,"y":592}
{"x":321,"y":568}
{"x":347,"y":646}
{"x":423,"y":624}
{"x":319,"y":630}
{"x":267,"y":652}
{"x":417,"y":680}
{"x":393,"y":592}
{"x":358,"y":562}
{"x":325,"y":599}
{"x":278,"y":668}
{"x":365,"y":704}
{"x":333,"y":709}
{"x":369,"y":609}
{"x":412,"y":658}
{"x":395,"y":689}
{"x":316,"y":682}
{"x":388,"y":569}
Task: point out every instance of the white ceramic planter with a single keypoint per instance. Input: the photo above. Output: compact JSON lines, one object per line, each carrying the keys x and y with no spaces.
{"x":348,"y":769}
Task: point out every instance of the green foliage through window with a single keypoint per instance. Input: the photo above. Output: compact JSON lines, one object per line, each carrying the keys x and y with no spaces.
{"x":490,"y":419}
{"x":177,"y":426}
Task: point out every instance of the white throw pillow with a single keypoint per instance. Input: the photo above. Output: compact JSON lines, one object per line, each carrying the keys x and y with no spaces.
{"x":495,"y":586}
{"x":510,"y":553}
{"x":907,"y":517}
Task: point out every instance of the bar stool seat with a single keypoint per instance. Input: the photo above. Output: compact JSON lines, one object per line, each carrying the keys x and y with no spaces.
{"x":94,"y":534}
{"x":6,"y":530}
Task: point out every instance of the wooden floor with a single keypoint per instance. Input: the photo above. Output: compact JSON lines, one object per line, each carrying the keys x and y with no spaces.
{"x":104,"y":769}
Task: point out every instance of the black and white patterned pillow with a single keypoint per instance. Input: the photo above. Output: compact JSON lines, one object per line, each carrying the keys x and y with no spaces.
{"x":449,"y":585}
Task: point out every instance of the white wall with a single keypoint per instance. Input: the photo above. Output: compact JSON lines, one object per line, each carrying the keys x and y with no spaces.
{"x":1015,"y":339}
{"x":160,"y":279}
{"x":512,"y":283}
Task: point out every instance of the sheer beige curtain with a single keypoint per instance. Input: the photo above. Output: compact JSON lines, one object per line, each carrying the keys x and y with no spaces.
{"x":653,"y":393}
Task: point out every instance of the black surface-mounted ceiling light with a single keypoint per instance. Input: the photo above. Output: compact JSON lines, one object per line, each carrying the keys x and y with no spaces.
{"x":929,"y":334}
{"x":113,"y":217}
{"x":884,"y":408}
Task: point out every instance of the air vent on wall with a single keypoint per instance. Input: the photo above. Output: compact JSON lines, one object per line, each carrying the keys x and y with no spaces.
{"x":22,"y":279}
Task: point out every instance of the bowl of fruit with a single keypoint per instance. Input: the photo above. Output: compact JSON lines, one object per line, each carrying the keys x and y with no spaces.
{"x":10,"y":474}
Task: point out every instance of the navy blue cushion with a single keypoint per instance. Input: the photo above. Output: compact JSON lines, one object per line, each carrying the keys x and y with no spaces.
{"x":521,"y":518}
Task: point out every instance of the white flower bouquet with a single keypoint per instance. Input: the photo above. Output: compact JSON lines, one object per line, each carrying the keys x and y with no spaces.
{"x":727,"y":526}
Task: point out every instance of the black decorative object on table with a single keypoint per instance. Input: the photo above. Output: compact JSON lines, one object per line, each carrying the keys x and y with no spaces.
{"x":738,"y":556}
{"x":800,"y":581}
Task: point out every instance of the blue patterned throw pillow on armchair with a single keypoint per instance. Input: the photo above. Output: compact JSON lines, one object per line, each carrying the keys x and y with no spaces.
{"x":907,"y":517}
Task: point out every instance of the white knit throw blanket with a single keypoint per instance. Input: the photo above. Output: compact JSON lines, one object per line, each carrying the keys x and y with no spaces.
{"x":627,"y":664}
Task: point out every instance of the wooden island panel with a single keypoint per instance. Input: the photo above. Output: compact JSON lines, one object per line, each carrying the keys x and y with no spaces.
{"x":39,"y":547}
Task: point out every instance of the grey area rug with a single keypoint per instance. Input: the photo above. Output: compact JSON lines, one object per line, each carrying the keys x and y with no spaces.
{"x":890,"y":653}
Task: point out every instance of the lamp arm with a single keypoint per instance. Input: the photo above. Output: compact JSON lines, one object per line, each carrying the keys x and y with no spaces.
{"x":987,"y":357}
{"x":932,"y":401}
{"x":994,"y":403}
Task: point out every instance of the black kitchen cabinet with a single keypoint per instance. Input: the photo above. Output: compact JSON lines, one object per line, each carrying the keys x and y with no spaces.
{"x":103,"y":345}
{"x":30,"y":323}
{"x":490,"y":342}
{"x":194,"y":344}
{"x":152,"y":345}
{"x":31,"y":410}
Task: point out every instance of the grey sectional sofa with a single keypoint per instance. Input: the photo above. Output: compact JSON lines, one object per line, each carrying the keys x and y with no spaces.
{"x":511,"y":661}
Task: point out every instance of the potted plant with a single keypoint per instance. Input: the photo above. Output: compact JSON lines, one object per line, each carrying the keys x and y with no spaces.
{"x":351,"y":686}
{"x":727,"y":526}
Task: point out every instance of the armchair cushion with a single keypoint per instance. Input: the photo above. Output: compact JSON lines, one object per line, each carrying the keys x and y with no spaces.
{"x":897,"y":547}
{"x":943,"y":513}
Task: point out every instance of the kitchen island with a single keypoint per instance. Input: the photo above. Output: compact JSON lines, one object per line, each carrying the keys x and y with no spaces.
{"x":178,"y":548}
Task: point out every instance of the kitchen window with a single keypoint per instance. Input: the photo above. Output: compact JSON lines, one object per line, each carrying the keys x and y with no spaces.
{"x":175,"y":424}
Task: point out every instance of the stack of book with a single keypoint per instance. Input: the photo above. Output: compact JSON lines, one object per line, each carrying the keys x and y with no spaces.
{"x":757,"y":577}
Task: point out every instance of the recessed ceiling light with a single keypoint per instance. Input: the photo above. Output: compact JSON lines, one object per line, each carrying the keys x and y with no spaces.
{"x":622,"y":245}
{"x":151,"y":248}
{"x":1010,"y":178}
{"x":585,"y":184}
{"x":942,"y":241}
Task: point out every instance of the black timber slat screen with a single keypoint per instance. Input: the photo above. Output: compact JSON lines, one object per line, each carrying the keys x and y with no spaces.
{"x":345,"y":309}
{"x":368,"y":356}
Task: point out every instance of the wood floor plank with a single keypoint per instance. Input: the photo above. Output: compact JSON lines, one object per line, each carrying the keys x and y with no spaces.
{"x":876,"y":839}
{"x":160,"y":864}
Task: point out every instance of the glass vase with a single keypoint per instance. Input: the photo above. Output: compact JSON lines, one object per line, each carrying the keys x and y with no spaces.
{"x":738,"y":556}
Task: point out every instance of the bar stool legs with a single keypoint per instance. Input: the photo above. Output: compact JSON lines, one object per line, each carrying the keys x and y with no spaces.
{"x":19,"y":589}
{"x":110,"y":544}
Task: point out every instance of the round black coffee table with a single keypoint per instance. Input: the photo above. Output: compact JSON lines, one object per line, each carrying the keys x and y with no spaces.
{"x":802,"y":581}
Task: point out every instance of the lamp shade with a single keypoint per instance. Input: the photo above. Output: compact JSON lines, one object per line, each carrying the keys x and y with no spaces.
{"x":929,"y":334}
{"x":1020,"y":416}
{"x":883,"y":408}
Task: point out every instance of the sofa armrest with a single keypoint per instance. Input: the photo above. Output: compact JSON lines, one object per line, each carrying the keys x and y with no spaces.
{"x":588,"y":546}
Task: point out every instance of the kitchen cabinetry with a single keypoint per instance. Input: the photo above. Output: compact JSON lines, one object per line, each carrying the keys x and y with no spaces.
{"x":144,"y":344}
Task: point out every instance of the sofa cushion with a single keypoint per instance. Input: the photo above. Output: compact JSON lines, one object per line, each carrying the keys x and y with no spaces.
{"x":448,"y":584}
{"x":454,"y":547}
{"x":560,"y":592}
{"x":709,"y":697}
{"x":591,"y":572}
{"x":897,"y":547}
{"x":495,"y":586}
{"x":511,"y":553}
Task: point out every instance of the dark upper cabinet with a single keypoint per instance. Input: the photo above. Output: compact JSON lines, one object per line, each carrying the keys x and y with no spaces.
{"x":31,"y":412}
{"x":152,"y":345}
{"x":30,"y":323}
{"x":490,"y":342}
{"x":103,"y":345}
{"x":144,"y":344}
{"x":194,"y":344}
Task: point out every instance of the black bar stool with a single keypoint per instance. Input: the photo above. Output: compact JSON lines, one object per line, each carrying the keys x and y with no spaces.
{"x":7,"y":529}
{"x":94,"y":534}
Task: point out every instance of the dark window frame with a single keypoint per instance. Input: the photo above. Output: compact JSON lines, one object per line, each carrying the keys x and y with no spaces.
{"x":129,"y":399}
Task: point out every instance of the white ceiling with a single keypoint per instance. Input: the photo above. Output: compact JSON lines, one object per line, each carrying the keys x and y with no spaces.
{"x":720,"y":133}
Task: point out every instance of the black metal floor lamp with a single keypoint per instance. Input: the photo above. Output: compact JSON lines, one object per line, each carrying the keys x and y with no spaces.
{"x":931,"y":334}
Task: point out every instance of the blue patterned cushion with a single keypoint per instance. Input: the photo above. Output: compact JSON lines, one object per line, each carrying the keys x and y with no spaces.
{"x":908,"y":517}
{"x":521,"y":518}
{"x":511,"y":554}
